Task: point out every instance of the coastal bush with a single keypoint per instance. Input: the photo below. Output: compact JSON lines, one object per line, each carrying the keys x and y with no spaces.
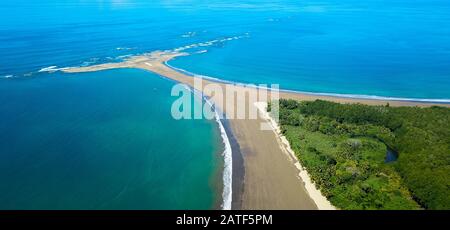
{"x":343,"y":147}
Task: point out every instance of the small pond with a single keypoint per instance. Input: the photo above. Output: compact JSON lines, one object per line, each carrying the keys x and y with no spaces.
{"x":391,"y":155}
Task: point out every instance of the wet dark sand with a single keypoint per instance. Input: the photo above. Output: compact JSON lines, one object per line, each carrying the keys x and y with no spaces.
{"x":269,"y":179}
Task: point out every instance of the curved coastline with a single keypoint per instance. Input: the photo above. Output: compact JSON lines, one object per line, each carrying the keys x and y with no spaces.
{"x":227,"y":193}
{"x":266,"y":164}
{"x":336,"y":95}
{"x":440,"y":101}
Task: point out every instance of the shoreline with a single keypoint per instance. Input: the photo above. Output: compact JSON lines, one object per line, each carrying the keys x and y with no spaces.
{"x":157,"y":60}
{"x":271,"y":180}
{"x":316,"y":195}
{"x":227,"y":193}
{"x":227,"y":172}
{"x":336,"y":96}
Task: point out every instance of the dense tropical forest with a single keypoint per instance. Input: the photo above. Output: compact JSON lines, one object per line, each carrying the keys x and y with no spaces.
{"x":344,"y":148}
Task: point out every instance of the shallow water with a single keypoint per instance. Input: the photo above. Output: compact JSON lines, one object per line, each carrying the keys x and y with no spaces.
{"x":104,"y":140}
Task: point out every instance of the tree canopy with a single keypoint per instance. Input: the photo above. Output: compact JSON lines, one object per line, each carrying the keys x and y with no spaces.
{"x":343,"y":147}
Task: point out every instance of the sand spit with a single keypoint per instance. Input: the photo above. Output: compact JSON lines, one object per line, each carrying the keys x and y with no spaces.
{"x":273,"y":179}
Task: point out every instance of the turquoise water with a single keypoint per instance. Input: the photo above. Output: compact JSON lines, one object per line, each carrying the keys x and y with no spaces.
{"x":389,"y":48}
{"x":386,"y":48}
{"x":104,"y":140}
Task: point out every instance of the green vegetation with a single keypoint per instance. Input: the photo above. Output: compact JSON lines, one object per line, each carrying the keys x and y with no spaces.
{"x":343,"y":147}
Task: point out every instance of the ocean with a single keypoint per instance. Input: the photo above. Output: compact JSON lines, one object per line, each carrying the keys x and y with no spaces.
{"x":386,"y":48}
{"x":106,"y":140}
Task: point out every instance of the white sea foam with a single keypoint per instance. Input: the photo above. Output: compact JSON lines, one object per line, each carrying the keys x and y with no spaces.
{"x":227,"y":194}
{"x":351,"y":96}
{"x":208,"y":43}
{"x":7,"y":76}
{"x":125,"y":48}
{"x":363,"y":96}
{"x":189,"y":34}
{"x":228,"y":166}
{"x":202,"y":52}
{"x":87,"y":63}
{"x":90,"y":62}
{"x":51,"y":69}
{"x":123,"y":57}
{"x":48,"y":69}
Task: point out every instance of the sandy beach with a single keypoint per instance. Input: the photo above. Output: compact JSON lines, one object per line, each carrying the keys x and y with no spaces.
{"x":273,"y":178}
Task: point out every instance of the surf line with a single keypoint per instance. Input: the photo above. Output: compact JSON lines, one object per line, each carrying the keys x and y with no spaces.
{"x":227,"y":193}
